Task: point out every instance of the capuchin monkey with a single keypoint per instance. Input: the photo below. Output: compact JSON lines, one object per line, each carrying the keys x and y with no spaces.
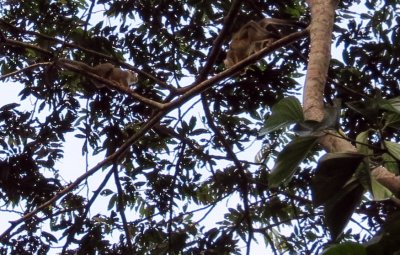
{"x":108,"y":71}
{"x":252,"y":37}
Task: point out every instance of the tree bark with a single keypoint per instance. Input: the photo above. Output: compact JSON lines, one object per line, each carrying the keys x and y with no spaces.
{"x":322,"y":20}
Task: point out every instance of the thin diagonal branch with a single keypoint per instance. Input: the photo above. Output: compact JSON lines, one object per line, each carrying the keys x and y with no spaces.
{"x":121,"y":209}
{"x":90,"y":11}
{"x":244,"y":182}
{"x":172,"y":195}
{"x":216,"y":48}
{"x":15,"y":43}
{"x":74,"y":228}
{"x":24,"y":69}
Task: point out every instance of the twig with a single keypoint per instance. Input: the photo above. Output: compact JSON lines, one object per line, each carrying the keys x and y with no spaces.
{"x":79,"y":221}
{"x":27,"y":46}
{"x":171,"y":196}
{"x":244,"y":182}
{"x":216,"y":48}
{"x":57,"y":196}
{"x":121,"y":209}
{"x":92,"y":4}
{"x":24,"y":69}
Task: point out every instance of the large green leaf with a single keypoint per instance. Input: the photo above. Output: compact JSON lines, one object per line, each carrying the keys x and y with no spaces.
{"x":308,"y":128}
{"x":333,"y":171}
{"x":314,"y":128}
{"x":390,"y":163}
{"x":393,"y":148}
{"x":368,"y":108}
{"x":362,"y":142}
{"x":345,"y":249}
{"x":372,"y":107}
{"x":379,"y":191}
{"x":391,"y":105}
{"x":339,"y":209}
{"x":289,"y":159}
{"x":284,"y":113}
{"x":391,"y":120}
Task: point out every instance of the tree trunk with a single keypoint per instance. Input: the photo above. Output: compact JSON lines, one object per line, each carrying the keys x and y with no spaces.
{"x":322,"y":20}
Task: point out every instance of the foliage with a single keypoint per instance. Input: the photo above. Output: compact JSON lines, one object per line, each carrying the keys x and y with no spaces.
{"x":180,"y":178}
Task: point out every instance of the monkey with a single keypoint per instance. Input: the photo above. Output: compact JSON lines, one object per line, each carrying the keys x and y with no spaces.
{"x":244,"y":42}
{"x":108,"y":71}
{"x":252,"y":37}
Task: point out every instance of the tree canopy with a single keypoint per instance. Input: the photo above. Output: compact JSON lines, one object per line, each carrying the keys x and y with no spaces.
{"x":289,"y":149}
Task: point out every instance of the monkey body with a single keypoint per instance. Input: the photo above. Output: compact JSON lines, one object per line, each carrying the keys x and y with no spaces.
{"x":252,"y":37}
{"x":245,"y":42}
{"x":108,"y":71}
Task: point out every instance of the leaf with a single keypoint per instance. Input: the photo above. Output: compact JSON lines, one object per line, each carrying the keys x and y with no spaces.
{"x":9,"y":107}
{"x":391,"y":120}
{"x":289,"y":158}
{"x":192,"y":123}
{"x":312,"y":127}
{"x":362,"y":142}
{"x":262,"y":155}
{"x":49,"y":237}
{"x":307,"y":128}
{"x":395,"y":103}
{"x":106,"y":192}
{"x":379,"y":191}
{"x":284,"y":113}
{"x":345,"y":249}
{"x":390,"y":163}
{"x":339,"y":209}
{"x":371,"y":108}
{"x":333,"y":171}
{"x":112,"y":201}
{"x":393,"y":148}
{"x":390,"y":105}
{"x":368,"y":108}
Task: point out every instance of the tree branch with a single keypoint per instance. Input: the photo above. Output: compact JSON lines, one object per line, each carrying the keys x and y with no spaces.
{"x":195,"y":89}
{"x":74,"y":228}
{"x":24,"y":69}
{"x":243,"y":182}
{"x":121,"y":209}
{"x":110,"y":84}
{"x":216,"y":48}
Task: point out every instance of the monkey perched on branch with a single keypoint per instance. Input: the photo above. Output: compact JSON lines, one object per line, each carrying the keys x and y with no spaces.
{"x":108,"y":71}
{"x":252,"y":37}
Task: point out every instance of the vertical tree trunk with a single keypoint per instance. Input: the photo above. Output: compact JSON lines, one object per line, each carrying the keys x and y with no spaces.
{"x":322,"y":20}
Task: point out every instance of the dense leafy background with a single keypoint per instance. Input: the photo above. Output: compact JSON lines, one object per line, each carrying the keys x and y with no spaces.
{"x":199,"y":161}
